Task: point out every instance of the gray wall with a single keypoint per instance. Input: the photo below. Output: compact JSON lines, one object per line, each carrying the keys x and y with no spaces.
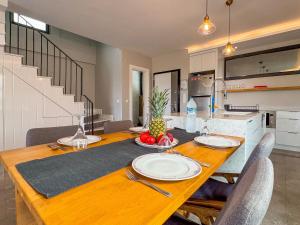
{"x":135,"y":59}
{"x":108,"y":81}
{"x":174,"y":60}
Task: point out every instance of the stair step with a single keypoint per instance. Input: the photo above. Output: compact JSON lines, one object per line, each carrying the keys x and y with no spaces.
{"x":43,"y":77}
{"x":25,"y":65}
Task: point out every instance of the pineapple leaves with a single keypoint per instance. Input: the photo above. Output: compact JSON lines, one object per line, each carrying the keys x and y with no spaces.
{"x":158,"y":102}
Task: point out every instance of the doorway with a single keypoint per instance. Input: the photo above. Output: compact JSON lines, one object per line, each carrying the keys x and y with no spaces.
{"x":169,"y":80}
{"x":139,"y":87}
{"x":137,"y":97}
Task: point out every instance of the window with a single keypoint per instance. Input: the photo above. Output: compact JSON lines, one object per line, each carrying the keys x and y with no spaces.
{"x":39,"y":25}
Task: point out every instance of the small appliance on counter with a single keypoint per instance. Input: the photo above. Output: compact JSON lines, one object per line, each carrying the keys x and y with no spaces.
{"x":200,"y":88}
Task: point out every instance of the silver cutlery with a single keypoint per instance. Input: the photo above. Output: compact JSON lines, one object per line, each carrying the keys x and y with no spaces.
{"x":205,"y":164}
{"x":54,"y":146}
{"x":133,"y":177}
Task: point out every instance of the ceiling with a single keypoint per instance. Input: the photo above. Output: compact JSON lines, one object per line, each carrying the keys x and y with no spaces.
{"x":154,"y":27}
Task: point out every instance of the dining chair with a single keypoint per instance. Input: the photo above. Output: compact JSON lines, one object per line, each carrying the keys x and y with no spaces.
{"x":37,"y":136}
{"x":211,"y":197}
{"x":115,"y":126}
{"x":250,"y":199}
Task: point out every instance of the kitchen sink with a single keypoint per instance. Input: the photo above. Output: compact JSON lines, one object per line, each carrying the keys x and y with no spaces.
{"x":236,"y":113}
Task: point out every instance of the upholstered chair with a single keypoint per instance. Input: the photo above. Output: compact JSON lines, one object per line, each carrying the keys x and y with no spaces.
{"x":211,"y":197}
{"x":38,"y":136}
{"x":249,"y":201}
{"x":115,"y":126}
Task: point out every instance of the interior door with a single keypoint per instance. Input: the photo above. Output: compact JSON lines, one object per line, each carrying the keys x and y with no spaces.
{"x":163,"y":81}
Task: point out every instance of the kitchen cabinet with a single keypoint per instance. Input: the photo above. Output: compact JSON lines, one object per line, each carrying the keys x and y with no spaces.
{"x":203,"y":61}
{"x":288,"y":130}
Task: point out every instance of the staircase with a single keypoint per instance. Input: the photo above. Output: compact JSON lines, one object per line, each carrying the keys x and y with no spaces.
{"x":57,"y":76}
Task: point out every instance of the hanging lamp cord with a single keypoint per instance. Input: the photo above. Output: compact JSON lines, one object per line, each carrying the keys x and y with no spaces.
{"x":206,"y":8}
{"x":229,"y":19}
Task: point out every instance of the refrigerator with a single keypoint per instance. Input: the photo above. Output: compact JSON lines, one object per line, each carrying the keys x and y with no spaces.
{"x":201,"y":86}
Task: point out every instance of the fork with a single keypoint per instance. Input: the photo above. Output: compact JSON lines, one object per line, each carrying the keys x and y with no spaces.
{"x":205,"y":164}
{"x":54,"y":146}
{"x":133,"y":177}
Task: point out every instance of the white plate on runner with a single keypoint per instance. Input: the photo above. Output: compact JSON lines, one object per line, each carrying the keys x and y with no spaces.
{"x":67,"y":140}
{"x":167,"y":167}
{"x":138,"y":129}
{"x":217,"y":141}
{"x":139,"y":142}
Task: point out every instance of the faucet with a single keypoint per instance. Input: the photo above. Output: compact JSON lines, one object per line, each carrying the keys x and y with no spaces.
{"x":212,"y":94}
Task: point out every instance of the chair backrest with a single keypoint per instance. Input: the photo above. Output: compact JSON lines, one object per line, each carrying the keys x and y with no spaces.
{"x":262,"y":149}
{"x":115,"y":126}
{"x":37,"y":136}
{"x":248,"y":203}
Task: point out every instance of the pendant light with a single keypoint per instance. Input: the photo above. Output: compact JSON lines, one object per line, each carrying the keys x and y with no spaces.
{"x":229,"y":48}
{"x":207,"y":27}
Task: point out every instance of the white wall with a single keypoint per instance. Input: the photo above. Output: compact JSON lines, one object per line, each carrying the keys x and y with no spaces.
{"x":175,"y":60}
{"x":48,"y":107}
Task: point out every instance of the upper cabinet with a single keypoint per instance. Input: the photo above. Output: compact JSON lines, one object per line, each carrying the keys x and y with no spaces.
{"x":203,"y":61}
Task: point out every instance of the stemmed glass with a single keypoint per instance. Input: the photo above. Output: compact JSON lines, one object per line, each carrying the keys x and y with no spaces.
{"x":165,"y":144}
{"x":79,"y":140}
{"x":205,"y":130}
{"x":146,"y":123}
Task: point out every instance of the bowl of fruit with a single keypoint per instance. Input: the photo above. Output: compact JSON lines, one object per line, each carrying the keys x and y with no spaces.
{"x":163,"y":141}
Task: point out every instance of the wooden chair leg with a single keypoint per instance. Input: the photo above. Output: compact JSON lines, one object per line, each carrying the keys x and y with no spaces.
{"x":183,"y":213}
{"x":205,"y":215}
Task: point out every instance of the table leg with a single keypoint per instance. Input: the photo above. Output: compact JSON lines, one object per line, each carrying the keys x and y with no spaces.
{"x":24,"y":216}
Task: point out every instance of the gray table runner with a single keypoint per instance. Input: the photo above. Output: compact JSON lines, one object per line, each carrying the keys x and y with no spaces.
{"x":56,"y":174}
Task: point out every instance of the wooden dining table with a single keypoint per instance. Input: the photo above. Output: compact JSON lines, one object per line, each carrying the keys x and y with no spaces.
{"x":109,"y":200}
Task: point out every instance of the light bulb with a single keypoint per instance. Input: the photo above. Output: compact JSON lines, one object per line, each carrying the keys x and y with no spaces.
{"x":229,"y":49}
{"x":207,"y":27}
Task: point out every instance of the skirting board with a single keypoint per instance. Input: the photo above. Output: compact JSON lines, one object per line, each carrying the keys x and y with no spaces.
{"x":287,"y":147}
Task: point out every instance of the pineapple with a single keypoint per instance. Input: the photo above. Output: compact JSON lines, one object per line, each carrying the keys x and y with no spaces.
{"x":158,"y":103}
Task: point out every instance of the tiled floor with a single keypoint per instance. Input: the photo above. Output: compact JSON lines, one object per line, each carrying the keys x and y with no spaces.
{"x":285,"y":203}
{"x":284,"y":208}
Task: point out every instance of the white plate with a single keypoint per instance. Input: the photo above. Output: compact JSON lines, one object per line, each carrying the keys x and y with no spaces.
{"x":139,"y":142}
{"x":217,"y":141}
{"x":67,"y":140}
{"x":138,"y":129}
{"x":167,"y":167}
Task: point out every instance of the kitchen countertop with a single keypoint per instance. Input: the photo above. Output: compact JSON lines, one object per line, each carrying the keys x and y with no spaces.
{"x":219,"y":115}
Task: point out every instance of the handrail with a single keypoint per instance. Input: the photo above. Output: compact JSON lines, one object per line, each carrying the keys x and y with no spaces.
{"x":90,"y":114}
{"x":65,"y":70}
{"x":49,"y":40}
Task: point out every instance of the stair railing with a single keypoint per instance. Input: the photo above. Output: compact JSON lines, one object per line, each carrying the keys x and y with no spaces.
{"x":38,"y":50}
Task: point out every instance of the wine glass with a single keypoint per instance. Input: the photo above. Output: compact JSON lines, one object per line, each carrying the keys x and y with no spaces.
{"x":165,"y":144}
{"x":205,"y":130}
{"x":146,"y":123}
{"x":79,"y":140}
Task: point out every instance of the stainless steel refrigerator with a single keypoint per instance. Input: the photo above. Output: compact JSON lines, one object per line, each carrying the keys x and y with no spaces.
{"x":201,"y":86}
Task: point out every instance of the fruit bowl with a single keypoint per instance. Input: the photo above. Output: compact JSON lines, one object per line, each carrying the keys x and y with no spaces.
{"x":155,"y":145}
